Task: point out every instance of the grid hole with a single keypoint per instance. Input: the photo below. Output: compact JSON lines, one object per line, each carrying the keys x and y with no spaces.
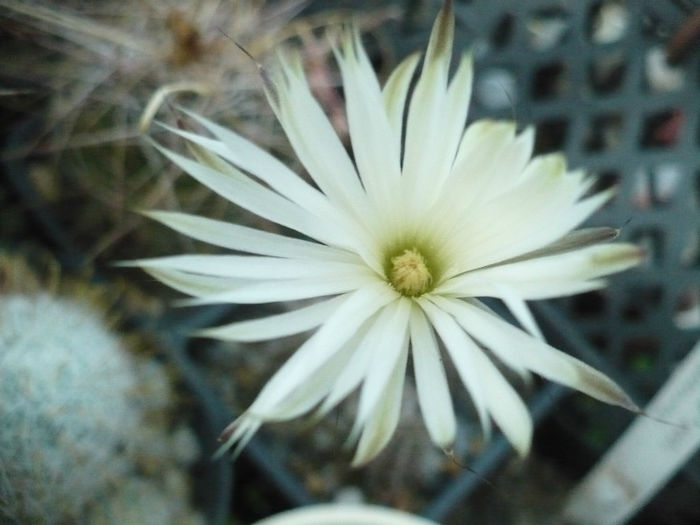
{"x":686,"y":310}
{"x":659,"y":75}
{"x":589,"y":305}
{"x":607,"y":74}
{"x":551,"y":135}
{"x":604,"y":133}
{"x":640,"y":301}
{"x":547,"y":28}
{"x":608,"y":21}
{"x":503,"y":31}
{"x":690,"y":252}
{"x":496,"y":88}
{"x":550,"y":81}
{"x":641,"y":352}
{"x":652,"y":241}
{"x":605,"y":180}
{"x":662,"y":129}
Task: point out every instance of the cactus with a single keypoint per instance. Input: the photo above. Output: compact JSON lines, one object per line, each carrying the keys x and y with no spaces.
{"x":65,"y":413}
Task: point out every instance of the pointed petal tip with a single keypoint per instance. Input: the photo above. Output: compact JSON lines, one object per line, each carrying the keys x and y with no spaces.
{"x":442,"y":35}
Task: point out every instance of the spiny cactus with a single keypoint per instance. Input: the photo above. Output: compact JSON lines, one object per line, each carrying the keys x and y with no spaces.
{"x":65,"y":413}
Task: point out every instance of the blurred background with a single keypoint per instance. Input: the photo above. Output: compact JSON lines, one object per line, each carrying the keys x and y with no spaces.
{"x":612,"y":83}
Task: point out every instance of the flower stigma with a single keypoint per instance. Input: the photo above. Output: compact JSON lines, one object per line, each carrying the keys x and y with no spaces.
{"x":409,"y":273}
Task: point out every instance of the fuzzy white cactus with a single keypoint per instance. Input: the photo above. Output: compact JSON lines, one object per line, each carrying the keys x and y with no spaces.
{"x":65,"y":413}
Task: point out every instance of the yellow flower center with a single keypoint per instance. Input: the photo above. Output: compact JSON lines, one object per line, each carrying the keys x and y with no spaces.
{"x":409,"y":273}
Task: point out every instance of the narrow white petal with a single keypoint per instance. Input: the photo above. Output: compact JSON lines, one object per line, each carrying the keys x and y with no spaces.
{"x":424,"y":138}
{"x":313,"y":138}
{"x":381,"y":424}
{"x":504,"y":404}
{"x":253,"y":267}
{"x":195,"y":285}
{"x":253,"y":159}
{"x":244,"y":192}
{"x":394,"y":95}
{"x":518,"y":307}
{"x":317,"y":350}
{"x":570,"y":242}
{"x":525,"y":219}
{"x":515,"y":347}
{"x":376,"y":153}
{"x":476,"y":168}
{"x":245,"y":239}
{"x":272,"y":291}
{"x":356,"y":369}
{"x":550,"y":276}
{"x":491,"y":158}
{"x":393,"y":337}
{"x":307,"y":394}
{"x":238,"y":433}
{"x":433,"y":392}
{"x":274,"y":326}
{"x":454,"y":119}
{"x":499,"y":398}
{"x":461,"y":350}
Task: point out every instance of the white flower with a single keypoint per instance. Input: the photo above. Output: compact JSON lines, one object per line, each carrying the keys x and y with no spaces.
{"x":396,"y":246}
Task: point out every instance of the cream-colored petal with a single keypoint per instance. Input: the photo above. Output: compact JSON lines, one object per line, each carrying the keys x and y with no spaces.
{"x":518,"y":307}
{"x":461,"y":350}
{"x":356,"y":370}
{"x":273,"y":291}
{"x":424,"y":138}
{"x":245,"y":239}
{"x":376,"y":154}
{"x":394,"y":95}
{"x":513,"y":346}
{"x":547,"y":276}
{"x":307,"y":394}
{"x":274,"y":326}
{"x":196,"y":285}
{"x":238,"y":433}
{"x":250,"y":158}
{"x":504,"y":404}
{"x":314,"y":140}
{"x":253,"y":266}
{"x":530,"y":216}
{"x":242,"y":191}
{"x":431,"y":384}
{"x":454,"y":118}
{"x":391,"y":342}
{"x":340,"y":327}
{"x":381,"y":424}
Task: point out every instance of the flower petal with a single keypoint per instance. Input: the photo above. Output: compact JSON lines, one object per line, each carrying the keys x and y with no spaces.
{"x":245,"y":239}
{"x":433,"y":392}
{"x":253,"y":159}
{"x":423,"y":150}
{"x":394,"y":95}
{"x":239,"y":189}
{"x":376,"y":153}
{"x":393,"y":337}
{"x":546,"y":277}
{"x":381,"y":424}
{"x":356,"y":369}
{"x":530,"y":216}
{"x":313,"y":138}
{"x":461,"y":350}
{"x":274,"y":326}
{"x":504,"y":404}
{"x":195,"y":285}
{"x":320,"y":347}
{"x":513,"y":346}
{"x":273,"y":291}
{"x":252,"y":267}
